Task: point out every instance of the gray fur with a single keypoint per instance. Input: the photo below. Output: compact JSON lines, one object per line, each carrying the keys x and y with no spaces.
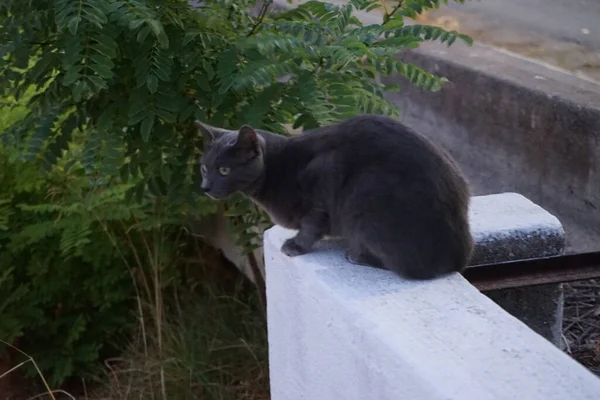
{"x":399,"y":201}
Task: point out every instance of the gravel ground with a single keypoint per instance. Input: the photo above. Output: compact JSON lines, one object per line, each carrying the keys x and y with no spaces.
{"x":581,"y":326}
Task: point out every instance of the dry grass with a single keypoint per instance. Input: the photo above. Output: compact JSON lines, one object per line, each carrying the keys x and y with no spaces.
{"x":581,"y":327}
{"x":48,"y":393}
{"x":213,"y":347}
{"x":205,"y":339}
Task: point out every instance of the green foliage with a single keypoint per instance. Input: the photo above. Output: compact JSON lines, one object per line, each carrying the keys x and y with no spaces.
{"x":69,"y":249}
{"x":98,"y":148}
{"x":61,"y":309}
{"x":135,"y":73}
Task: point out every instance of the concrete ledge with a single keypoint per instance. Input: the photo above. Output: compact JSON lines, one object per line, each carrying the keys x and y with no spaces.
{"x":341,"y":331}
{"x":508,"y":226}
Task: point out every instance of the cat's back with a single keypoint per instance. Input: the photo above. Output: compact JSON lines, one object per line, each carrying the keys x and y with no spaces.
{"x":364,"y":133}
{"x":372,"y":141}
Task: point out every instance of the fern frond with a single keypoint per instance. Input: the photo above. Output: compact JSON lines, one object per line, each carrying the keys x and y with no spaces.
{"x":413,"y":8}
{"x":427,"y":32}
{"x":42,"y":134}
{"x":6,"y":210}
{"x":152,"y":65}
{"x":70,"y":14}
{"x":314,"y":107}
{"x":74,"y":236}
{"x":263,"y":74}
{"x":414,"y":74}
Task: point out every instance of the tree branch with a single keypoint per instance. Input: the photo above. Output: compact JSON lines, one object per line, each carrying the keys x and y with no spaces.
{"x":387,"y":16}
{"x":261,"y":16}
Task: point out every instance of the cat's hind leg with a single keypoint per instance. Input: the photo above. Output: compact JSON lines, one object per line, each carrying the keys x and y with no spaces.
{"x":360,"y":255}
{"x":313,"y":226}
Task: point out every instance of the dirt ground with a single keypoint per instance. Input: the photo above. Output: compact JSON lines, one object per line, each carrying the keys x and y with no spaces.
{"x":581,"y":59}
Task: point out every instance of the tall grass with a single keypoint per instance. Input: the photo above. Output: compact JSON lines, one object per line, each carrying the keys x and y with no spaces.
{"x":213,"y":348}
{"x":203,"y":339}
{"x":210,"y":344}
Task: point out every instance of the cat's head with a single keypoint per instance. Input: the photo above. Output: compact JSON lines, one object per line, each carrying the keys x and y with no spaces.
{"x":232,"y":161}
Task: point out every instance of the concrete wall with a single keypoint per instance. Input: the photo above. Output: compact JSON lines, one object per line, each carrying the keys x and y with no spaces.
{"x":215,"y":231}
{"x":342,"y":331}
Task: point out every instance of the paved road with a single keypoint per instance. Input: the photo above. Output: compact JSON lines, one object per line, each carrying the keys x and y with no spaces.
{"x":565,"y":20}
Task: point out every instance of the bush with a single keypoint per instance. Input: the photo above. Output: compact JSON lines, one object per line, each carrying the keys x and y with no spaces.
{"x":68,"y":253}
{"x":100,"y":172}
{"x":65,"y":290}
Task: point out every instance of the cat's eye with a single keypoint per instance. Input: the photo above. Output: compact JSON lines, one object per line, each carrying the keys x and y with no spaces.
{"x":224,"y":170}
{"x":203,"y":169}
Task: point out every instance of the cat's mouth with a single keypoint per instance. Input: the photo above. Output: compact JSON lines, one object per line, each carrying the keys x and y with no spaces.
{"x":216,"y":196}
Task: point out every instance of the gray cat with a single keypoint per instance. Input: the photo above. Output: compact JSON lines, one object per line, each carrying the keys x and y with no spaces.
{"x":399,"y":201}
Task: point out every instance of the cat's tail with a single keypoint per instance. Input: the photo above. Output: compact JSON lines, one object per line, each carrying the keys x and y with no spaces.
{"x":423,"y":254}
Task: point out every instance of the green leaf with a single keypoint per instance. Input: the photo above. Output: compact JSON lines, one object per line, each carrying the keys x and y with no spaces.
{"x":158,"y":31}
{"x":101,"y":70}
{"x":106,"y":119}
{"x":152,"y":83}
{"x":142,"y":34}
{"x":79,"y":90}
{"x":98,"y":82}
{"x":146,"y":128}
{"x":73,"y":25}
{"x":392,"y":87}
{"x":135,"y":23}
{"x":71,"y":75}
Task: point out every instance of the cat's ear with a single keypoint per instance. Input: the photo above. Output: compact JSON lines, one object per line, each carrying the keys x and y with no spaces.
{"x":209,"y":132}
{"x":247,"y":138}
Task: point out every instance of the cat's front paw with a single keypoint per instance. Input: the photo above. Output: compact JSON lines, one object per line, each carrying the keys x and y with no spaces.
{"x":291,"y":249}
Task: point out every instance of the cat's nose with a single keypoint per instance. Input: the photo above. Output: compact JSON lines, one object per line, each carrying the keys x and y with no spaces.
{"x":205,"y":185}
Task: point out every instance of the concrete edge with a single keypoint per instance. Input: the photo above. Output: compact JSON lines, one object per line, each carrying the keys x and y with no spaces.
{"x":508,"y":226}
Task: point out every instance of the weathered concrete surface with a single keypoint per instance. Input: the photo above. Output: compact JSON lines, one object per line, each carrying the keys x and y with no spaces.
{"x":508,"y":226}
{"x":572,"y":20}
{"x":539,"y":307}
{"x":342,"y":331}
